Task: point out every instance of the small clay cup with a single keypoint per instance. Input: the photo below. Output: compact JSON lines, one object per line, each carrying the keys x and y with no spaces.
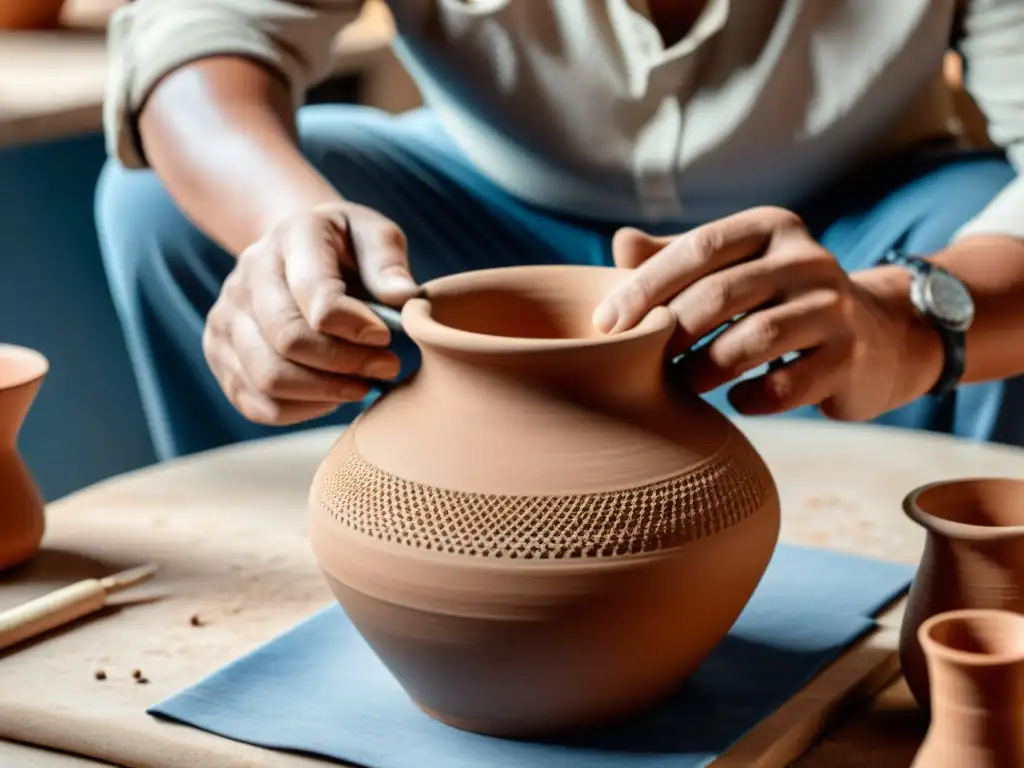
{"x":21,"y":505}
{"x":973,"y":558}
{"x":975,"y":661}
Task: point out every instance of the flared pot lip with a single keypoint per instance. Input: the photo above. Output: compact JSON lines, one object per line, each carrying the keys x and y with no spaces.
{"x":966,"y":658}
{"x":34,"y":365}
{"x":952,"y":529}
{"x":418,"y":322}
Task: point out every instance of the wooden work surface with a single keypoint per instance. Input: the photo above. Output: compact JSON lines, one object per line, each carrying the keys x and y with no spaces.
{"x":228,"y":529}
{"x":52,"y":83}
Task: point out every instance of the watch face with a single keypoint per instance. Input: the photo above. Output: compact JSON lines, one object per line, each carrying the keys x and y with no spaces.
{"x":948,"y":300}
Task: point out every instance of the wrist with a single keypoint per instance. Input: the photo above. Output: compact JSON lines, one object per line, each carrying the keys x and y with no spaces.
{"x":918,"y":352}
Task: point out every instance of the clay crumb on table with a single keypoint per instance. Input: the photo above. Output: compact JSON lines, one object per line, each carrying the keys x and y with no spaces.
{"x":195,"y":621}
{"x":100,"y":674}
{"x":140,"y":678}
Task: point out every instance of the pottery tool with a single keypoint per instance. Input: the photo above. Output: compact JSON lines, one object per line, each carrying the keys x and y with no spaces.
{"x":392,"y":317}
{"x":66,"y":605}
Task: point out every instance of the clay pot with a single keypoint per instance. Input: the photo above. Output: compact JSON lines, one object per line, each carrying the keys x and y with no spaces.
{"x":973,"y":558}
{"x":21,"y":505}
{"x":30,"y":14}
{"x":976,"y":666}
{"x":534,"y":533}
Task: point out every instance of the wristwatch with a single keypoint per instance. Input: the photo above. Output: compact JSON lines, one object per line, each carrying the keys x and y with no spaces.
{"x":946,"y":304}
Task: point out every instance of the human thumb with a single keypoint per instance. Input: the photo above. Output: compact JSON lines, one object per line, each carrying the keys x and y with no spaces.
{"x":382,"y":257}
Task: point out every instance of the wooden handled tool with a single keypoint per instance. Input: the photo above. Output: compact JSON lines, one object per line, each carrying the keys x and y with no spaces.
{"x":65,"y":605}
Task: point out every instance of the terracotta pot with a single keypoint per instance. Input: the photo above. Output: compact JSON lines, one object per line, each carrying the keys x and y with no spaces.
{"x":21,"y":506}
{"x":976,"y":666}
{"x":30,"y":14}
{"x":973,"y":558}
{"x":533,"y":533}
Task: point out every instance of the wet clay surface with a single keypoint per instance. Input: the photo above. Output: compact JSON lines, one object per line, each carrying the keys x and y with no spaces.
{"x":229,"y":531}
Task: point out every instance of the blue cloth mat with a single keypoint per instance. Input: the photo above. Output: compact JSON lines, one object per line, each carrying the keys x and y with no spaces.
{"x":319,"y":689}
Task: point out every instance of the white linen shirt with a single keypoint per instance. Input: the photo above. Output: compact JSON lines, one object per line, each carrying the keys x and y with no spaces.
{"x":578,"y":106}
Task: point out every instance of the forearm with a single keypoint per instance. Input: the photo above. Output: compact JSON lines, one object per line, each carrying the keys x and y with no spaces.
{"x":220,"y":134}
{"x":992,"y":267}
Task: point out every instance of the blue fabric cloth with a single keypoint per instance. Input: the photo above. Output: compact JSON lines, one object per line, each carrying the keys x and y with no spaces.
{"x":165,"y":275}
{"x":319,"y":689}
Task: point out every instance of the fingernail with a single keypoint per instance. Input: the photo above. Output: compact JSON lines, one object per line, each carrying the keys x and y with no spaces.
{"x":352,"y":393}
{"x":257,"y":408}
{"x":383,"y":370}
{"x":374,"y":337}
{"x":398,"y":279}
{"x":605,"y":317}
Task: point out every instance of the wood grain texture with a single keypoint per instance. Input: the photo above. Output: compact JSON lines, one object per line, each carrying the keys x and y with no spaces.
{"x":228,"y":531}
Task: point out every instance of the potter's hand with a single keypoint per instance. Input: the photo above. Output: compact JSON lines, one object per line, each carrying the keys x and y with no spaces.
{"x":286,"y":339}
{"x":777,"y":291}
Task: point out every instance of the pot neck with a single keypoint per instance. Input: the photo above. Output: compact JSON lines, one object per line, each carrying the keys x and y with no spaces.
{"x":624,"y":368}
{"x":978,"y":696}
{"x":14,"y":406}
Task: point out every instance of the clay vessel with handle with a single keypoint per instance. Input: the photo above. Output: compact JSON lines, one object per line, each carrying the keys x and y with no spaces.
{"x":21,"y":505}
{"x":973,"y":558}
{"x":535,"y":533}
{"x":975,"y":662}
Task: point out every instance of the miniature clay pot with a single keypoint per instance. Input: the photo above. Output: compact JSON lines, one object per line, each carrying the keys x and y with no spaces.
{"x":30,"y":14}
{"x":21,"y":505}
{"x":976,"y":666}
{"x":533,"y":532}
{"x":973,"y":558}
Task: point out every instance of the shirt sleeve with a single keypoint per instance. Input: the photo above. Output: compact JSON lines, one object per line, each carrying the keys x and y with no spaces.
{"x":992,"y":46}
{"x":148,"y":39}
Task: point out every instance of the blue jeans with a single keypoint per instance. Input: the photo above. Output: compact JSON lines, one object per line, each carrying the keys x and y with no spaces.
{"x":165,"y":274}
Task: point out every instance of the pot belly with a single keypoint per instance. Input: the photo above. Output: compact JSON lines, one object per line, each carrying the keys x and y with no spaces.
{"x":527,"y":647}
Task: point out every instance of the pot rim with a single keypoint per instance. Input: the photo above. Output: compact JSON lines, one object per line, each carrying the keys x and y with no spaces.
{"x":967,"y":658}
{"x":35,"y":363}
{"x":955,"y":530}
{"x":419,"y":323}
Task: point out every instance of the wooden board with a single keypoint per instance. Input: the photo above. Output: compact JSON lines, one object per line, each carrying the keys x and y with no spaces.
{"x":857,"y":676}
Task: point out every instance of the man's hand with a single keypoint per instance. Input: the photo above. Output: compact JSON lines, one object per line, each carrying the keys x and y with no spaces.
{"x":286,"y":339}
{"x":863,"y":350}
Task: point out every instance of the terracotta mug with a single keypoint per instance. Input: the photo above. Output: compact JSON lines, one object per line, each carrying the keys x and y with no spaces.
{"x":21,"y":505}
{"x":976,"y":666}
{"x":973,"y":558}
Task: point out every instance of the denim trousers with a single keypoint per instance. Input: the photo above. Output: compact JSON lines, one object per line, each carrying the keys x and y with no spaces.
{"x":165,"y":274}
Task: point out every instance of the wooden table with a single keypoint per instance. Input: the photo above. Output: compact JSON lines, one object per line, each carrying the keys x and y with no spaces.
{"x":228,"y":529}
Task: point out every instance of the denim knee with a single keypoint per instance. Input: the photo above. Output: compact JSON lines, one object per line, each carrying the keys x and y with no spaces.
{"x":144,"y":238}
{"x":950,"y":197}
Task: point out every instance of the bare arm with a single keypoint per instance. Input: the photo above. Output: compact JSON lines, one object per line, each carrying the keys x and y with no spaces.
{"x":220,"y":133}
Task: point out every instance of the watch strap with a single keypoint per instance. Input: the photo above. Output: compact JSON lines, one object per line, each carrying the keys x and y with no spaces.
{"x":954,"y":342}
{"x":954,"y":347}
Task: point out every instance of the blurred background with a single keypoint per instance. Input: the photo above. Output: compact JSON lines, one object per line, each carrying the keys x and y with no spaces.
{"x":87,"y":423}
